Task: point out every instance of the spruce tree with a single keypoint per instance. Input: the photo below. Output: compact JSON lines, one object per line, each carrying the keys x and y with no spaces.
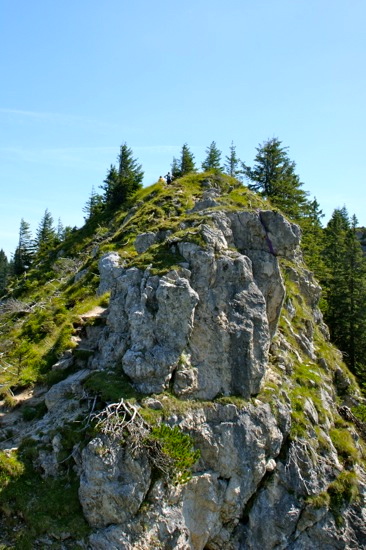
{"x":185,"y":164}
{"x":46,"y":235}
{"x":233,"y":164}
{"x":4,"y":271}
{"x":273,"y":176}
{"x":344,"y":284}
{"x":187,"y":161}
{"x":24,"y":253}
{"x":356,"y":288}
{"x":122,"y":183}
{"x":312,"y":241}
{"x":110,"y":187}
{"x":212,"y":162}
{"x":60,"y":232}
{"x":93,"y":206}
{"x":176,"y":169}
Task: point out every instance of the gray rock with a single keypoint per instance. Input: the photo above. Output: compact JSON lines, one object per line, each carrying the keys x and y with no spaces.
{"x":144,"y":241}
{"x":80,"y":275}
{"x":65,"y":392}
{"x":109,"y":266}
{"x":229,"y":342}
{"x":113,"y":484}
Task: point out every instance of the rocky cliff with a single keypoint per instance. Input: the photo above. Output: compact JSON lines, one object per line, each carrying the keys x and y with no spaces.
{"x":213,"y":325}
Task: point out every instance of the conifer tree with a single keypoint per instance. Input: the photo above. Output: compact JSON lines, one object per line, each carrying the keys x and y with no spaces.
{"x":4,"y":271}
{"x":176,"y":171}
{"x":273,"y":176}
{"x":122,"y":183}
{"x":187,"y":161}
{"x":24,"y":253}
{"x":345,"y":286}
{"x":356,"y":288}
{"x":312,"y":242}
{"x":212,"y":161}
{"x":184,"y":165}
{"x":94,"y":205}
{"x":46,"y":235}
{"x":60,"y":232}
{"x":111,"y":184}
{"x":233,"y":164}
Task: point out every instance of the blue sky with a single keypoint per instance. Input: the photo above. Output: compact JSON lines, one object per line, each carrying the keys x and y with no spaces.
{"x":81,"y":77}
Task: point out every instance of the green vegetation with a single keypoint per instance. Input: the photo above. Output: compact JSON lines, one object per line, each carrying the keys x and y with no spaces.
{"x":360,"y":412}
{"x":111,"y":387}
{"x":345,"y":446}
{"x":273,"y":176}
{"x":179,"y":450}
{"x":342,"y":491}
{"x":36,"y":506}
{"x":185,"y":164}
{"x":212,"y":162}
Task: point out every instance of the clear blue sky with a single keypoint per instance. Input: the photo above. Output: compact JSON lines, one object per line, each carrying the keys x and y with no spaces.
{"x":81,"y":77}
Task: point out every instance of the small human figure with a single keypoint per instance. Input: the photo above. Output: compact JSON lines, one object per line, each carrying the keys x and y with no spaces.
{"x":161,"y":179}
{"x":168,"y":178}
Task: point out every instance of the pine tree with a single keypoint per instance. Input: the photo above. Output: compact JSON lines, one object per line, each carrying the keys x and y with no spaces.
{"x":233,"y":164}
{"x":212,"y":161}
{"x":356,"y":288}
{"x":4,"y":271}
{"x":273,"y":176}
{"x":94,"y":205}
{"x":185,"y":164}
{"x":121,"y":184}
{"x":312,"y":242}
{"x":344,"y":284}
{"x":24,"y":253}
{"x":176,"y":169}
{"x":187,"y":161}
{"x":46,"y":235}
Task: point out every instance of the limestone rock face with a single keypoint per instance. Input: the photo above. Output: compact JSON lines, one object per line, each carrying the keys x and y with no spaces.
{"x":205,"y":331}
{"x":214,"y":315}
{"x":148,"y":326}
{"x":249,"y":491}
{"x":113,"y":484}
{"x":108,"y":269}
{"x":229,"y":342}
{"x":265,"y":236}
{"x":236,"y":448}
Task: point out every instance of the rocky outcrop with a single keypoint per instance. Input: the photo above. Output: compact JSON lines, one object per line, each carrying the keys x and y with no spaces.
{"x":251,"y":489}
{"x":113,"y":484}
{"x":206,"y":329}
{"x":238,"y":449}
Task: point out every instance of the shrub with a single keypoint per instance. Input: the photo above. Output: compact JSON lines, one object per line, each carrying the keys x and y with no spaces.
{"x":179,"y":450}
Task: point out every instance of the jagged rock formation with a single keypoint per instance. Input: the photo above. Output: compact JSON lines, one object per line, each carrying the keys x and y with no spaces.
{"x":218,"y":311}
{"x":228,"y":345}
{"x":205,"y":330}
